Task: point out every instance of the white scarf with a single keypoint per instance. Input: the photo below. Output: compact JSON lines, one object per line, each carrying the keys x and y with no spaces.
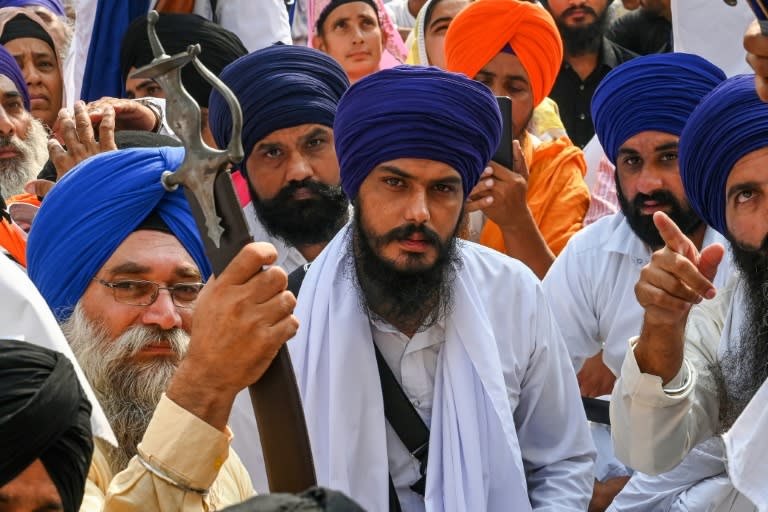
{"x":474,"y":457}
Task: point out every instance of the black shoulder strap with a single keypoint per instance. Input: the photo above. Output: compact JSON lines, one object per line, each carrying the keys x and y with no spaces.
{"x":598,"y":411}
{"x":406,"y":422}
{"x":295,"y":279}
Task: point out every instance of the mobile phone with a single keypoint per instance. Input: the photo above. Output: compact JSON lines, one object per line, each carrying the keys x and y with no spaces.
{"x":503,"y":154}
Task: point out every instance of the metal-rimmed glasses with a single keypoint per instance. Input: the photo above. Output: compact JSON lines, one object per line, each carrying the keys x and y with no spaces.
{"x":145,"y":293}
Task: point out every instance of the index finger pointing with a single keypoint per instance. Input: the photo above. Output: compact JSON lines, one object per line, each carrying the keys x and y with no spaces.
{"x":674,"y":238}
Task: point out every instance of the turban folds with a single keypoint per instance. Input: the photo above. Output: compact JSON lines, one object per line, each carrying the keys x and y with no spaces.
{"x":278,"y":87}
{"x":55,"y":6}
{"x":485,"y":27}
{"x":218,"y":48}
{"x":44,"y":414}
{"x":10,"y":68}
{"x":650,"y":93}
{"x":93,"y":209}
{"x":416,"y":112}
{"x":728,"y":124}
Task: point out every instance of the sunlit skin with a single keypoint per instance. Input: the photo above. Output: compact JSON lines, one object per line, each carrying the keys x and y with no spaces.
{"x":647,"y":162}
{"x":506,"y":76}
{"x":31,"y":491}
{"x":411,"y":191}
{"x":150,"y":256}
{"x":353,"y":37}
{"x":14,"y":119}
{"x":746,"y":199}
{"x":437,"y":26}
{"x":40,"y":66}
{"x":292,"y":154}
{"x":576,"y":15}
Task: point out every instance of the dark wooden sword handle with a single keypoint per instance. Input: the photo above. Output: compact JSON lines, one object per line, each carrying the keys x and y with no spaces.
{"x":275,"y":396}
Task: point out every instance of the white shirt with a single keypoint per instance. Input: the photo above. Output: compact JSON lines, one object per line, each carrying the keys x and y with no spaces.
{"x":399,"y":14}
{"x":507,"y":430}
{"x":591,"y":288}
{"x":414,"y":364}
{"x":258,"y":24}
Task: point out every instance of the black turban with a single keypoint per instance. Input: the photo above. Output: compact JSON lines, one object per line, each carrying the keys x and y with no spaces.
{"x":44,"y":414}
{"x":218,"y":46}
{"x":315,"y":499}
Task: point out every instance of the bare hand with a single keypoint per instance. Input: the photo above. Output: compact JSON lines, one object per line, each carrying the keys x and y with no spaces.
{"x":595,"y":378}
{"x":241,"y":320}
{"x":129,"y":114}
{"x":604,"y":493}
{"x":756,"y":45}
{"x":39,"y":188}
{"x":677,"y":277}
{"x":501,"y":192}
{"x":76,"y":133}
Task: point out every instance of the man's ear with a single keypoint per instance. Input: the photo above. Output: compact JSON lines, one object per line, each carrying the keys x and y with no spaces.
{"x":318,"y":42}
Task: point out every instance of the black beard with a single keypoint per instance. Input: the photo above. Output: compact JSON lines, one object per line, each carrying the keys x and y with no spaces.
{"x":302,"y":222}
{"x":410,"y":299}
{"x":643,"y":226}
{"x":743,"y":368}
{"x":586,"y":39}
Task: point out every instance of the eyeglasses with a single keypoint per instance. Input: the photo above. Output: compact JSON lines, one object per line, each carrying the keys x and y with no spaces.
{"x":145,"y":293}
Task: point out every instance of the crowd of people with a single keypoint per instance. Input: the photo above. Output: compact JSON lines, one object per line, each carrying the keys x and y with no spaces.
{"x":579,"y":325}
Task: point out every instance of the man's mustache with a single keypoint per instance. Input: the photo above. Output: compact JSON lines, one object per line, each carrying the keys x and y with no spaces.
{"x":408,"y":230}
{"x":584,"y":8}
{"x":662,"y":197}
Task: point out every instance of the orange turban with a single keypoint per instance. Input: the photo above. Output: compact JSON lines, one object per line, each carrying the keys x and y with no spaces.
{"x":485,"y":27}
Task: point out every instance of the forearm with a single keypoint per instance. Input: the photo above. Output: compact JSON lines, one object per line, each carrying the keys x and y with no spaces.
{"x":211,"y":405}
{"x":660,"y":350}
{"x":523,"y":241}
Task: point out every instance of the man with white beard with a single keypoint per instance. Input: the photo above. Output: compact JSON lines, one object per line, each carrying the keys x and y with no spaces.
{"x":121,"y":264}
{"x":23,"y":140}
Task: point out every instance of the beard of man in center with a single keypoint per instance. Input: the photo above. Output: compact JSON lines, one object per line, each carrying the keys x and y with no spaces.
{"x":17,"y":171}
{"x":127,"y":388}
{"x":743,"y":368}
{"x":412,"y":298}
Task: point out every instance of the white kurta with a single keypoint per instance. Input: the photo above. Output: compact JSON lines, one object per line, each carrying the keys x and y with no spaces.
{"x":655,"y":430}
{"x":591,"y":288}
{"x":24,"y":315}
{"x":507,"y":428}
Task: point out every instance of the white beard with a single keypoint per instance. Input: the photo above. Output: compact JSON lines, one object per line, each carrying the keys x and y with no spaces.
{"x":127,"y":390}
{"x":16,"y":172}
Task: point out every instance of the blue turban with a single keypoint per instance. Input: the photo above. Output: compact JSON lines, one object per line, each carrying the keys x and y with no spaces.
{"x":651,"y":93}
{"x":92,"y":209}
{"x":10,"y":68}
{"x":278,"y":87}
{"x":728,"y":124}
{"x":416,"y":112}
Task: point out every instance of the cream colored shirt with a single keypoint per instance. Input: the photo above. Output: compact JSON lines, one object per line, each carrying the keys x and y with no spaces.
{"x":181,"y":448}
{"x":655,"y":427}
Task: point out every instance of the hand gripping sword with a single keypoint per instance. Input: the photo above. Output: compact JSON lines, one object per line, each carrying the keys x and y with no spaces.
{"x":211,"y":196}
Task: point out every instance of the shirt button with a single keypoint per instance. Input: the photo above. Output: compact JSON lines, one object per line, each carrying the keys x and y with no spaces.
{"x":581,"y":87}
{"x":582,"y":116}
{"x":416,"y":403}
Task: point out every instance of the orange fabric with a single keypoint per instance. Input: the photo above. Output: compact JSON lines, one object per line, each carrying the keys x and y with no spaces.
{"x":24,"y":198}
{"x":183,"y":6}
{"x":484,"y":27}
{"x":557,"y":195}
{"x":13,"y":242}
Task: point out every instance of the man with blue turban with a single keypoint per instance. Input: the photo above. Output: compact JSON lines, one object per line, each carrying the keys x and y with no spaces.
{"x":461,"y":333}
{"x":288,"y":95}
{"x":639,"y":110}
{"x":698,"y":363}
{"x":119,"y":261}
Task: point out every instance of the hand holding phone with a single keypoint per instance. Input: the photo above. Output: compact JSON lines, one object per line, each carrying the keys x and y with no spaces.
{"x":503,"y":154}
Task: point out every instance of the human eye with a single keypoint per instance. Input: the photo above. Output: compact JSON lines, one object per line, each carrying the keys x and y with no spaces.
{"x":45,"y":64}
{"x":340,"y":25}
{"x":631,"y":161}
{"x":316,"y":142}
{"x":440,"y":29}
{"x":133,"y":289}
{"x":744,"y":196}
{"x":273,"y":153}
{"x":14,"y":105}
{"x":187,"y":292}
{"x":445,"y":188}
{"x":154,"y":90}
{"x":394,"y":182}
{"x":669,"y":156}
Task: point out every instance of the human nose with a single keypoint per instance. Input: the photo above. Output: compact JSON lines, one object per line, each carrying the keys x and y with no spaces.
{"x":298,"y":168}
{"x":649,"y":181}
{"x":162,"y":312}
{"x":417,"y":211}
{"x":31,"y":74}
{"x":7,"y":128}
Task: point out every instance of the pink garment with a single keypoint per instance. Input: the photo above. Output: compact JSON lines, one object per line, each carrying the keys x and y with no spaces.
{"x":604,"y":200}
{"x":394,"y":52}
{"x":241,"y":188}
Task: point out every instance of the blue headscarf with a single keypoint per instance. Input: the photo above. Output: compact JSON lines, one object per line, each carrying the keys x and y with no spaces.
{"x":416,"y":112}
{"x":728,"y":124}
{"x":278,"y":87}
{"x":651,"y":93}
{"x":10,"y":68}
{"x":55,"y":6}
{"x":92,"y":209}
